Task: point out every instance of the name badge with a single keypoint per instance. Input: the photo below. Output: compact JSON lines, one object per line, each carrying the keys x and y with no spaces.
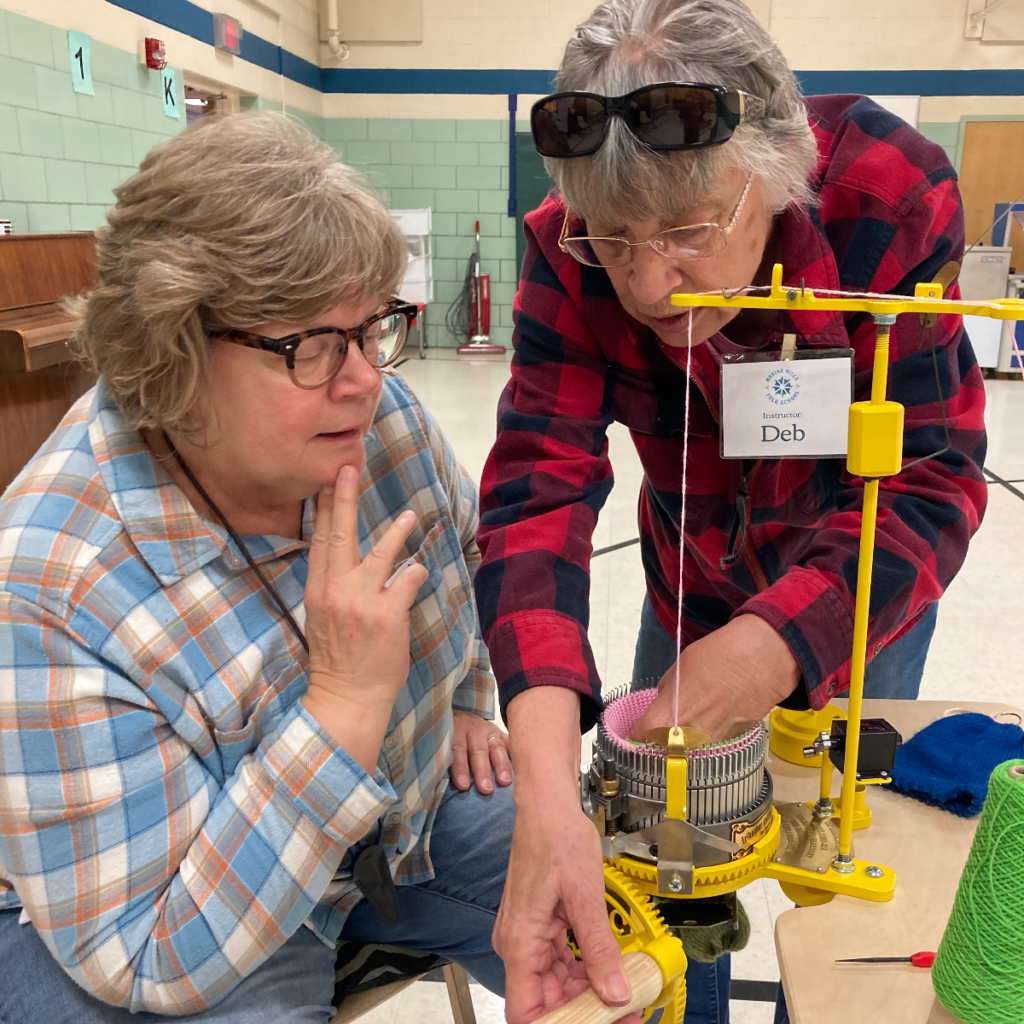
{"x":782,"y":409}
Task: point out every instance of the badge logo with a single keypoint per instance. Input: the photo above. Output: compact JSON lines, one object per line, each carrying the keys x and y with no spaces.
{"x":782,"y":386}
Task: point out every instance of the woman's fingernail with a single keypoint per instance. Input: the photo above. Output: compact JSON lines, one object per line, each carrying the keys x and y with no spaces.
{"x":407,"y":516}
{"x":485,"y":787}
{"x":618,"y":988}
{"x":504,"y":777}
{"x":327,"y":489}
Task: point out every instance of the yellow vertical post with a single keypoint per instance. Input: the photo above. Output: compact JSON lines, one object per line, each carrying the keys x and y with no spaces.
{"x":876,"y":430}
{"x":857,"y":664}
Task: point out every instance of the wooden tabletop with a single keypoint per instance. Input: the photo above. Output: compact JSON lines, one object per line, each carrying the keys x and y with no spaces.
{"x":927,"y":848}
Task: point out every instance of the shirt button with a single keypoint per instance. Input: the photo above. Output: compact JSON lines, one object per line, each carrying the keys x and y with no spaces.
{"x":394,"y":818}
{"x":390,"y":742}
{"x":879,"y":646}
{"x":831,"y":689}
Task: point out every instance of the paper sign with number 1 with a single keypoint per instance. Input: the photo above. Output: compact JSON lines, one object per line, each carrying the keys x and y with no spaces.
{"x":80,"y":52}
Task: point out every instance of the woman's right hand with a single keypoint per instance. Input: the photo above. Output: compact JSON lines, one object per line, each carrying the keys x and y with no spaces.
{"x":358,"y":631}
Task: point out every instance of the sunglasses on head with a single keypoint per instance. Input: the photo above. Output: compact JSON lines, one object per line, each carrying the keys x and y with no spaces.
{"x":666,"y":116}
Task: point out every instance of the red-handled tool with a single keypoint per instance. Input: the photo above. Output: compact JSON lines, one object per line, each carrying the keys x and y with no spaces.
{"x":925,"y":959}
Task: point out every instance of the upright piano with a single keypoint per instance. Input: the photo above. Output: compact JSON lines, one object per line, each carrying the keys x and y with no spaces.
{"x":38,"y":380}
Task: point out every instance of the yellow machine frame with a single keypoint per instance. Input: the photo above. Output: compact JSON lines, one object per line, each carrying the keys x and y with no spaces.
{"x":875,"y":451}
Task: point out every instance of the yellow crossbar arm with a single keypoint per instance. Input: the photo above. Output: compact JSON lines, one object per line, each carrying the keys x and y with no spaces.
{"x":927,"y":299}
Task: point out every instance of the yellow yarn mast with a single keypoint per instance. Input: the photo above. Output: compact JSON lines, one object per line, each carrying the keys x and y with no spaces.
{"x":875,"y":451}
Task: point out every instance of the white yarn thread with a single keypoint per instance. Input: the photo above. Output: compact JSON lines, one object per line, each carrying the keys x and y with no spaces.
{"x":682,"y":510}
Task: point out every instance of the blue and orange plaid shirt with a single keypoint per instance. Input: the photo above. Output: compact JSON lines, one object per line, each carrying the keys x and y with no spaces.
{"x":170,"y":814}
{"x":777,"y":538}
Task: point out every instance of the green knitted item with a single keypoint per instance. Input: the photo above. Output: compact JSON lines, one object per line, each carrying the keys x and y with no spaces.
{"x":707,"y":944}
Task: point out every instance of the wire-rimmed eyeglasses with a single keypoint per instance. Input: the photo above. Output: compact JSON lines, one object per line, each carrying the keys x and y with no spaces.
{"x":689,"y":242}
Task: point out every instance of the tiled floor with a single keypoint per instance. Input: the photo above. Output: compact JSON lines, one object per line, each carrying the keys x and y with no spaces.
{"x":977,"y":652}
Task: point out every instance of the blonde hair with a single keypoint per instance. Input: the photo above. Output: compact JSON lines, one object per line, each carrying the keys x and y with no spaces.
{"x":237,"y":221}
{"x":626,"y":44}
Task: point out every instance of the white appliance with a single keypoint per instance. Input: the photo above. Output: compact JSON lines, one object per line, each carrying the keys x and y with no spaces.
{"x":418,"y":282}
{"x":984,"y":274}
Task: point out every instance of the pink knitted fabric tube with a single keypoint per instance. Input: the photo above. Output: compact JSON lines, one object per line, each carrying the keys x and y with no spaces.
{"x":621,"y":715}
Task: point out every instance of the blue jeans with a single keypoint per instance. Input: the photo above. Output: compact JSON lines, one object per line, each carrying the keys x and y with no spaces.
{"x":452,"y":915}
{"x":895,"y":672}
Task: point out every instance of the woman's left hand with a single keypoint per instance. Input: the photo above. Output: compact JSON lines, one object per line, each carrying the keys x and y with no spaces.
{"x":481,"y":746}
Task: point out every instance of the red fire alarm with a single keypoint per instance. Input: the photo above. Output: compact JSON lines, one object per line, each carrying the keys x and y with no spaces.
{"x":153,"y":54}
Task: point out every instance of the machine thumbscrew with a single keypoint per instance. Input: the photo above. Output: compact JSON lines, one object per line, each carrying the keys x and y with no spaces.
{"x":822,"y":743}
{"x":675,"y":884}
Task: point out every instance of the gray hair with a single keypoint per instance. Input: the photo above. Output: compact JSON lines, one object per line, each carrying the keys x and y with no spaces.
{"x":626,"y":44}
{"x":238,"y":221}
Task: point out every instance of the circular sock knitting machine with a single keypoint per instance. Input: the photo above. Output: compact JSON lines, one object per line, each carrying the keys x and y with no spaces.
{"x":685,"y":823}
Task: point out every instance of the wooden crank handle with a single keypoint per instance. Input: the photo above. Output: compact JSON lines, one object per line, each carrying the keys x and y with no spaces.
{"x":644,"y":977}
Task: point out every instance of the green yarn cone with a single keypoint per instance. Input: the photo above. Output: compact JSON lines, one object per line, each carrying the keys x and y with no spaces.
{"x":979,"y":971}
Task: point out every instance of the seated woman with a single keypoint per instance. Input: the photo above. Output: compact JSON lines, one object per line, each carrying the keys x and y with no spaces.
{"x":224,"y":718}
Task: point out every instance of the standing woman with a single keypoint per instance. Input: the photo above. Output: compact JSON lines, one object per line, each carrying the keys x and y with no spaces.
{"x":686,"y":160}
{"x":224,"y":719}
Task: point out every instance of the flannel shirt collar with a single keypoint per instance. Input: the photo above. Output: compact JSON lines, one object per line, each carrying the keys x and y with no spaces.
{"x":171,"y":537}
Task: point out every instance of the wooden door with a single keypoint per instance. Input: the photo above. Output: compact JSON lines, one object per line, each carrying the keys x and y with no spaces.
{"x":992,"y":171}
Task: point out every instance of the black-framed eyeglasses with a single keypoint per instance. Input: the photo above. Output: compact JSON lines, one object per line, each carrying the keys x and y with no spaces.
{"x":665,"y":116}
{"x":315,"y":357}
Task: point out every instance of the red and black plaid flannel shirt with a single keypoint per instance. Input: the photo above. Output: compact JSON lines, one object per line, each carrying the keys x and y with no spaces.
{"x":888,"y":216}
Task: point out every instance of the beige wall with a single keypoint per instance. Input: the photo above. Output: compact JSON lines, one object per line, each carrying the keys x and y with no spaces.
{"x":820,"y":35}
{"x":815,"y":35}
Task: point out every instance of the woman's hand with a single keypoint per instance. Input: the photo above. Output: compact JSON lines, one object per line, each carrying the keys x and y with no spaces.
{"x":358,"y":631}
{"x":728,"y":680}
{"x":481,"y":746}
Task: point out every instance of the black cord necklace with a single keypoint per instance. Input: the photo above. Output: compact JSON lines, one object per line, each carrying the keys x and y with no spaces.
{"x":371,"y":872}
{"x":238,"y":542}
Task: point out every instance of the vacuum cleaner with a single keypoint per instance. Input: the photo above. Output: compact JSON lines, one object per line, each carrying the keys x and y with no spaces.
{"x":469,"y":316}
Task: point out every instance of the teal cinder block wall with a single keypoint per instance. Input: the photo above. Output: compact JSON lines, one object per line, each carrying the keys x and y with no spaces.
{"x":61,"y":152}
{"x":945,"y":133}
{"x":458,"y":168}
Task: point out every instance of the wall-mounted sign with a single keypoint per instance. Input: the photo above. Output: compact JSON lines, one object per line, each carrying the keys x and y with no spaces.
{"x":80,"y":52}
{"x":227,"y":34}
{"x":169,"y":87}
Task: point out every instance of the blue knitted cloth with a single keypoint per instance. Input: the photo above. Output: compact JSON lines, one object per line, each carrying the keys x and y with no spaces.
{"x":948,"y":764}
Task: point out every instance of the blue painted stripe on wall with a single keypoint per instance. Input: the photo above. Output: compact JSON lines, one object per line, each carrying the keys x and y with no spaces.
{"x":258,"y":51}
{"x":181,"y":15}
{"x":189,"y":19}
{"x":469,"y":81}
{"x":300,"y":70}
{"x":996,"y":82}
{"x":814,"y":83}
